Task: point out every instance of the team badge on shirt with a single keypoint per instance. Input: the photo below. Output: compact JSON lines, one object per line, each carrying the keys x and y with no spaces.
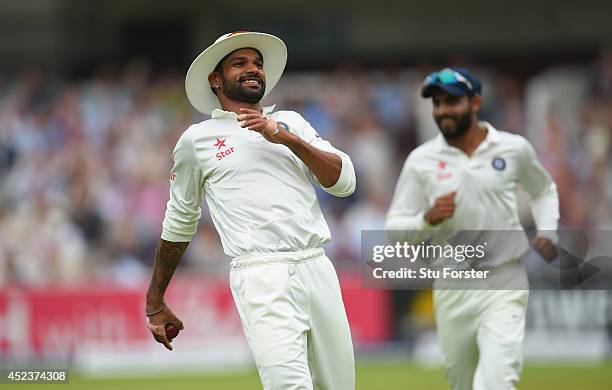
{"x":499,"y":163}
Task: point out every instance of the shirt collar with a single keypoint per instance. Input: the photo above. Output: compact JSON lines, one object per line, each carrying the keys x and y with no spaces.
{"x":492,"y":132}
{"x":221,"y":114}
{"x":491,"y":138}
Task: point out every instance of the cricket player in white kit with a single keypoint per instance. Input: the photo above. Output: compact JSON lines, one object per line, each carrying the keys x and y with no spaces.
{"x":466,"y":179}
{"x":255,"y":167}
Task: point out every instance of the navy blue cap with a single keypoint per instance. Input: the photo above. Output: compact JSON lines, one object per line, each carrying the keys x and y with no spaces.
{"x":454,"y":81}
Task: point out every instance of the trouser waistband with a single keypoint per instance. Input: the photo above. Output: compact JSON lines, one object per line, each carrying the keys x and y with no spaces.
{"x":247,"y":261}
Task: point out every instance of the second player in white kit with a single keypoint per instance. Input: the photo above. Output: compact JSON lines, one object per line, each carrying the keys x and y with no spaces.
{"x":255,"y":168}
{"x":467,"y":179}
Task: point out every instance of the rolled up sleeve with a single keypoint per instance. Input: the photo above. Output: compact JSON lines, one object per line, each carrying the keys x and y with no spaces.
{"x":347,"y":181}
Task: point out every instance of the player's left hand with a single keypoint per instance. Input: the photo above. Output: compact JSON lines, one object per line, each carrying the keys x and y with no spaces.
{"x":545,"y":247}
{"x":264,"y":125}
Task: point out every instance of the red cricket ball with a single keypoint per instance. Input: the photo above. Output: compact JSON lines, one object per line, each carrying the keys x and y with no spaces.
{"x":171,"y":331}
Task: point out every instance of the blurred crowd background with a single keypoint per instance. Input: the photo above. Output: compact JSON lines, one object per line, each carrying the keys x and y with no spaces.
{"x":84,"y":163}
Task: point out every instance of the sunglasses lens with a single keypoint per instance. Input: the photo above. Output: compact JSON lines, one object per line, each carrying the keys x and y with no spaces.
{"x":447,"y":77}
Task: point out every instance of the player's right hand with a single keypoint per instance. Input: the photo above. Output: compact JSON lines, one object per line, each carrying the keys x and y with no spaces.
{"x":158,"y":322}
{"x":443,"y":208}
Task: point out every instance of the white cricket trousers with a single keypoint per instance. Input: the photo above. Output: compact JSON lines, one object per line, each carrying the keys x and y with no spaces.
{"x":481,"y":334}
{"x":294,"y":320}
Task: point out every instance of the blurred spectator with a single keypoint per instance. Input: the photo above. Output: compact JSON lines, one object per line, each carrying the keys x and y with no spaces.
{"x":84,"y":164}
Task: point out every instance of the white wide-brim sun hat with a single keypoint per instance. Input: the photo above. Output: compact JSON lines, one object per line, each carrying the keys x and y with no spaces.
{"x":197,"y":86}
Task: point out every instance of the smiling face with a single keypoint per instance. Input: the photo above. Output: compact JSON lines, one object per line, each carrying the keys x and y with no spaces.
{"x":454,"y":114}
{"x":240,"y":76}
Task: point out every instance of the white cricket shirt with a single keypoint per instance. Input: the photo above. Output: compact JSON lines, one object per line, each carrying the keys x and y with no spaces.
{"x":259,"y":194}
{"x":486,"y":185}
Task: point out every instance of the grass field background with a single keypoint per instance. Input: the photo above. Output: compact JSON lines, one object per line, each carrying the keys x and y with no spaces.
{"x":370,"y":376}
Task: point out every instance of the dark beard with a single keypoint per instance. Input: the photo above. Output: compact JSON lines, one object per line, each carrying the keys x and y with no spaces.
{"x":463,"y":125}
{"x":235,"y":91}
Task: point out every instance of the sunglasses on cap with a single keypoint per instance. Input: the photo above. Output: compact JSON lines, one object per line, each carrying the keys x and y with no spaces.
{"x":448,"y":76}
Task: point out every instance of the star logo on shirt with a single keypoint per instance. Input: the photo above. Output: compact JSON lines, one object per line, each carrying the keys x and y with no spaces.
{"x":221,"y":154}
{"x":220,"y":143}
{"x":442,"y":165}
